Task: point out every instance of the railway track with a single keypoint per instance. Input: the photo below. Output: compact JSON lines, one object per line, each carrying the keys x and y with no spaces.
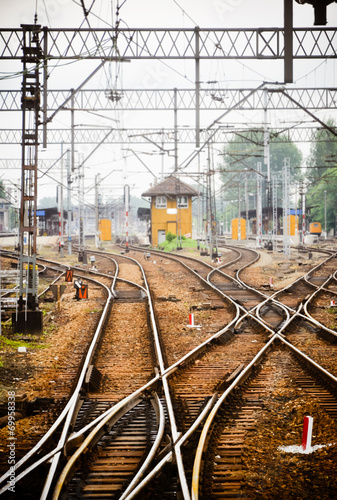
{"x":190,"y":378}
{"x":279,"y":381}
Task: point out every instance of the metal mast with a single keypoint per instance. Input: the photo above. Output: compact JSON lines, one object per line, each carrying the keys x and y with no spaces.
{"x":259,"y":205}
{"x":286,"y":209}
{"x":274,"y":189}
{"x":28,"y":317}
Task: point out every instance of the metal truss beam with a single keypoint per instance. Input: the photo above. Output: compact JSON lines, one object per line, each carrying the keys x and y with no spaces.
{"x":260,"y":43}
{"x":164,"y":99}
{"x":139,"y":136}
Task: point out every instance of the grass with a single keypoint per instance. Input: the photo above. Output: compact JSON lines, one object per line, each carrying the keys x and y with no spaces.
{"x":169,"y":246}
{"x":4,"y":341}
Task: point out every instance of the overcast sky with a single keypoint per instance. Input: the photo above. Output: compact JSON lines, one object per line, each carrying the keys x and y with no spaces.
{"x":155,"y":74}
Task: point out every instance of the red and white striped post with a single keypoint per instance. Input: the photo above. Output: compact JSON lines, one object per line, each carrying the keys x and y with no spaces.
{"x":191,"y":320}
{"x":307,"y":432}
{"x":191,"y":323}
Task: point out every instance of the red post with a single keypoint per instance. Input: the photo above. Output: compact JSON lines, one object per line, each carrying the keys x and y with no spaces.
{"x":307,"y":432}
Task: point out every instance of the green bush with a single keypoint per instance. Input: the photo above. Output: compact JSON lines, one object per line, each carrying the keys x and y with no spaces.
{"x":170,"y":237}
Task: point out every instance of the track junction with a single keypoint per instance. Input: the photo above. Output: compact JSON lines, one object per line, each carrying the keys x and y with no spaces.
{"x":152,"y":407}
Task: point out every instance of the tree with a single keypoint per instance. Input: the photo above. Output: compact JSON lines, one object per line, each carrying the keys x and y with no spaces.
{"x":244,"y":151}
{"x":322,"y":177}
{"x":47,"y":202}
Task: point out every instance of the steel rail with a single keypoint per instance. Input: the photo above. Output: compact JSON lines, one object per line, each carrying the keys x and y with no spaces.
{"x":70,"y":406}
{"x":241,"y":283}
{"x":174,"y":430}
{"x":168,"y":457}
{"x":205,"y":431}
{"x":313,"y":320}
{"x":170,"y":410}
{"x":304,"y":277}
{"x":165,"y":374}
{"x":161,"y":427}
{"x":71,"y":414}
{"x":111,"y":417}
{"x":327,"y":375}
{"x":78,"y":436}
{"x":170,"y":369}
{"x":209,"y":283}
{"x":238,"y":380}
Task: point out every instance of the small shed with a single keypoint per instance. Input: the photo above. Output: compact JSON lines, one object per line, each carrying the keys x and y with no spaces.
{"x":171,"y":209}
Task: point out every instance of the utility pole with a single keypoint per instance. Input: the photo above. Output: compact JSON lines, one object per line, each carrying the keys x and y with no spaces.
{"x":239,"y":215}
{"x":28,"y":318}
{"x":197,"y":86}
{"x":325,"y":230}
{"x":81,"y":256}
{"x":97,"y":181}
{"x":69,"y":210}
{"x":274,"y":189}
{"x":302,"y":223}
{"x":286,"y":208}
{"x":175,"y":131}
{"x":259,"y":205}
{"x":126,"y":204}
{"x":267,"y":157}
{"x":61,"y":207}
{"x":162,"y":153}
{"x":288,"y":40}
{"x":247,"y":205}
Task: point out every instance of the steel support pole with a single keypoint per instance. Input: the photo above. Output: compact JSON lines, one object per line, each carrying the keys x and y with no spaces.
{"x":325,"y":229}
{"x":197,"y":86}
{"x":97,"y":180}
{"x":286,"y":208}
{"x":288,"y":40}
{"x":69,"y":181}
{"x":61,"y":207}
{"x":259,"y":205}
{"x":45,"y":86}
{"x":126,"y":204}
{"x":247,"y":205}
{"x":175,"y":131}
{"x":267,"y":158}
{"x":274,"y":189}
{"x":303,"y":217}
{"x":239,"y":214}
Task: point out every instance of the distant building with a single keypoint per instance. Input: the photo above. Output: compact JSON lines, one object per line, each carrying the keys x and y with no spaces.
{"x":48,"y":221}
{"x":4,"y":214}
{"x":171,"y":209}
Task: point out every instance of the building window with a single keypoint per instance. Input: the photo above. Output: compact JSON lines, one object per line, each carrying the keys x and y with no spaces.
{"x":182,"y":202}
{"x":161,"y":202}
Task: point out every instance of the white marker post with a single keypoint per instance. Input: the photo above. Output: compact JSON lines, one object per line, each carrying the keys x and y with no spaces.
{"x":307,"y":433}
{"x":191,"y":322}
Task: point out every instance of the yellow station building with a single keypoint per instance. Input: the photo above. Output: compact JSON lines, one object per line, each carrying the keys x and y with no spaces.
{"x":171,"y":209}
